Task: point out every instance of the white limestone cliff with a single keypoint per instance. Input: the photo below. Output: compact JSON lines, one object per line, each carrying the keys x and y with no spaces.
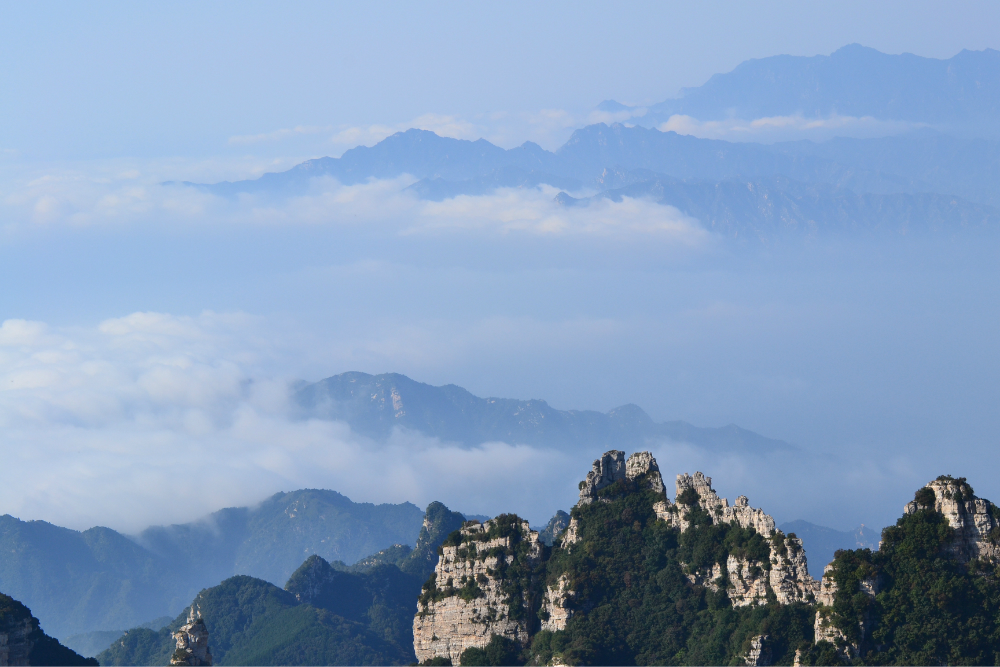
{"x":471,"y":605}
{"x":974,"y":519}
{"x":192,"y":642}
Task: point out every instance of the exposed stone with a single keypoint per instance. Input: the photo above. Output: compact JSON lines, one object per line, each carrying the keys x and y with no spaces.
{"x":827,"y":588}
{"x":192,"y":642}
{"x":824,"y":628}
{"x":555,"y":607}
{"x":972,"y":518}
{"x":760,"y":652}
{"x":612,"y":467}
{"x":790,"y":579}
{"x":606,"y":471}
{"x":16,"y":641}
{"x":707,"y":578}
{"x":446,"y":627}
{"x":643,"y":463}
{"x":572,"y":535}
{"x":747,"y":583}
{"x":719,"y":509}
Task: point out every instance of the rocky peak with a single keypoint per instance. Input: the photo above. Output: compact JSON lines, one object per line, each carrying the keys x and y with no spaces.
{"x":612,"y":467}
{"x":698,"y":489}
{"x":974,"y":519}
{"x":480,"y":588}
{"x":192,"y":641}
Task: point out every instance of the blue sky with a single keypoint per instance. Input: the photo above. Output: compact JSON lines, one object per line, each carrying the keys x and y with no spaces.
{"x":135,"y":314}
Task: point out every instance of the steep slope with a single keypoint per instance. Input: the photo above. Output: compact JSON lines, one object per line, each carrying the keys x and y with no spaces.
{"x":325,"y":614}
{"x":81,"y":581}
{"x":98,"y":580}
{"x":929,"y":595}
{"x":22,"y":641}
{"x":375,"y":404}
{"x":634,"y":579}
{"x":253,"y":622}
{"x":269,"y":540}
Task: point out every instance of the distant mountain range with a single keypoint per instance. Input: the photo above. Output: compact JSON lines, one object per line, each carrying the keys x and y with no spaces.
{"x":99,"y":579}
{"x":939,"y":178}
{"x":959,"y":93}
{"x":373,"y":405}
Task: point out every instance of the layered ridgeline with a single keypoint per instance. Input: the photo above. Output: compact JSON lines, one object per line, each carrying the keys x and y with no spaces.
{"x":374,"y":405}
{"x":636,"y":578}
{"x":937,"y":173}
{"x":921,"y":181}
{"x":22,"y":641}
{"x":100,"y":580}
{"x":327,"y":614}
{"x":960,"y":93}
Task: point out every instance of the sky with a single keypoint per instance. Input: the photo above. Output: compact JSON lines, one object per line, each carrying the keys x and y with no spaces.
{"x":149,"y":331}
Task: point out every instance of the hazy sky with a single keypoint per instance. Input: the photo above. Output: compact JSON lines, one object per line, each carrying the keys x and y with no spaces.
{"x":148,"y":330}
{"x":145,"y":79}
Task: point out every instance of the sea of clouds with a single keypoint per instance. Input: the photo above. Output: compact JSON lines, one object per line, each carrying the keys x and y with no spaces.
{"x":153,"y":333}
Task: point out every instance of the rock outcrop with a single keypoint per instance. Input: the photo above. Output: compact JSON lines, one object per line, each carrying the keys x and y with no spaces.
{"x":192,"y":642}
{"x":759,"y":654}
{"x":480,"y":588}
{"x":786,"y":573}
{"x":22,"y":641}
{"x":974,"y":519}
{"x":15,"y":642}
{"x":556,"y":607}
{"x":719,"y":508}
{"x":613,"y":467}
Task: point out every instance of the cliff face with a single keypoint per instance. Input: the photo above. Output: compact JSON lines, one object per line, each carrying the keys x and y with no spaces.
{"x":192,"y":642}
{"x":784,"y":571}
{"x":935,"y":575}
{"x":22,"y":641}
{"x":476,"y":591}
{"x":483,"y":585}
{"x":15,"y":642}
{"x":973,"y":519}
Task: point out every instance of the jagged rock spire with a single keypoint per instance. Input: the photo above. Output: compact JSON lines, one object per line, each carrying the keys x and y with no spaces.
{"x":973,"y":518}
{"x":613,"y":467}
{"x":192,"y":641}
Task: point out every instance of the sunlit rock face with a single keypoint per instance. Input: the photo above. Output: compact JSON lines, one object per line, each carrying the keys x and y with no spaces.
{"x":974,"y":519}
{"x":192,"y":642}
{"x":478,"y":590}
{"x":482,"y":587}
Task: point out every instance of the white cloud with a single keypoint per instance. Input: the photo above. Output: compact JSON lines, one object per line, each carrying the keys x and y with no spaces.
{"x":277,"y":135}
{"x":785,"y":128}
{"x":155,"y":418}
{"x":77,"y":199}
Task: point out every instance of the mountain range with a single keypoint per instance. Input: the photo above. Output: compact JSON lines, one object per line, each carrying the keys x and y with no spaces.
{"x":101,"y":580}
{"x":373,"y":405}
{"x":936,"y":174}
{"x":960,"y":93}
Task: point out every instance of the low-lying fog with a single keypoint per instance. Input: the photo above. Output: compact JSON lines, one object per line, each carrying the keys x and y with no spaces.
{"x":150,"y":332}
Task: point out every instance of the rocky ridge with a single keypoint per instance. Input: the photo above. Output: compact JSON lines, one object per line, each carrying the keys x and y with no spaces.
{"x":480,"y":588}
{"x":469,"y":599}
{"x":22,"y":641}
{"x":192,"y":642}
{"x":975,"y":524}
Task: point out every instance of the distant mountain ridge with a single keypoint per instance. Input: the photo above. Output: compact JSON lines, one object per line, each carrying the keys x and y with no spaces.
{"x":940,"y":179}
{"x":98,"y":579}
{"x":962,"y":92}
{"x":375,"y":404}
